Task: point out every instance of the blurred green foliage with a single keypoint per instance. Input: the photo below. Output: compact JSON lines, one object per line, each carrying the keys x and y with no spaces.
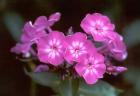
{"x":14,"y":23}
{"x":73,"y":87}
{"x":101,"y":88}
{"x":132,"y":33}
{"x":133,"y":77}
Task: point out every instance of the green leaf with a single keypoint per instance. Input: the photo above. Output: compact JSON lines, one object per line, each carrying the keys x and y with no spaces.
{"x":69,"y":87}
{"x":132,"y":34}
{"x":14,"y":23}
{"x":133,"y":76}
{"x":101,"y":88}
{"x":44,"y":78}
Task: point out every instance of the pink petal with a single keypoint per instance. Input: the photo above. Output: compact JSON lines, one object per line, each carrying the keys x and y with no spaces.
{"x":110,"y":27}
{"x":80,"y":68}
{"x":90,"y":78}
{"x":55,"y":16}
{"x":101,"y":68}
{"x":41,"y":21}
{"x":56,"y":34}
{"x":98,"y":37}
{"x":28,"y":27}
{"x":21,"y":48}
{"x":68,"y":57}
{"x":78,"y":36}
{"x":25,"y":38}
{"x":105,"y":19}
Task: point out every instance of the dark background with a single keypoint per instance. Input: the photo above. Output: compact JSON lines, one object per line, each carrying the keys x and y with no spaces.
{"x":13,"y":13}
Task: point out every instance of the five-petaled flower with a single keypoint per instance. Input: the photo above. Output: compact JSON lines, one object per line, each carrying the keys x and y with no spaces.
{"x":98,"y":25}
{"x":51,"y":48}
{"x":77,"y":46}
{"x":91,"y":67}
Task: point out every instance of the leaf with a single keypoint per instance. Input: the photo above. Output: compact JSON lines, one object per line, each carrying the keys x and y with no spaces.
{"x":133,"y":76}
{"x":101,"y":88}
{"x":132,"y":34}
{"x":69,"y":87}
{"x":44,"y":78}
{"x":14,"y":23}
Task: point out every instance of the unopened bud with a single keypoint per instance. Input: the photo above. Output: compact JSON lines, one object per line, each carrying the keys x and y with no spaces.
{"x":41,"y":68}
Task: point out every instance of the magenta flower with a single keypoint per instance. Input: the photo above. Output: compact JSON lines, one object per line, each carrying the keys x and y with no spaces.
{"x":77,"y":46}
{"x":98,"y":25}
{"x":21,"y":48}
{"x":115,"y":70}
{"x":117,"y":47}
{"x":51,"y":48}
{"x":91,"y":67}
{"x":33,"y":32}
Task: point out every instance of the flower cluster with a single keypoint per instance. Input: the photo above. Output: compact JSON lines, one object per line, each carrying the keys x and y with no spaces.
{"x":75,"y":51}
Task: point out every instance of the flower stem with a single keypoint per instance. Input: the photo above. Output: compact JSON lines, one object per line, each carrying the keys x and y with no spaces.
{"x":33,"y":88}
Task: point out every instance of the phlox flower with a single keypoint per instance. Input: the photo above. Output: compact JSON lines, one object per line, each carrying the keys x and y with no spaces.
{"x":32,"y":32}
{"x":50,"y":48}
{"x":91,"y":67}
{"x":117,"y":46}
{"x":115,"y":70}
{"x":98,"y":25}
{"x":77,"y":46}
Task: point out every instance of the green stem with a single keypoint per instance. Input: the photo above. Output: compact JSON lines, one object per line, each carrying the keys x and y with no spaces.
{"x":33,"y":88}
{"x":32,"y":83}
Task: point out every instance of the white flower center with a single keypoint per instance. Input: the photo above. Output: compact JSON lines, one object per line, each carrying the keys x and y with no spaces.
{"x":98,"y":27}
{"x":53,"y":48}
{"x":90,"y":67}
{"x":77,"y":48}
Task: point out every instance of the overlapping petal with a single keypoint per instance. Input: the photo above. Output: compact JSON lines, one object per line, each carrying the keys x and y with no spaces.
{"x":21,"y":48}
{"x":117,"y":46}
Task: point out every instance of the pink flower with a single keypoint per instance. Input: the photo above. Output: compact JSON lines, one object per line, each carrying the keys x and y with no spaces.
{"x":91,"y":67}
{"x":32,"y":32}
{"x":21,"y":48}
{"x":98,"y":25}
{"x":77,"y":46}
{"x":51,"y":48}
{"x":115,"y":70}
{"x":117,"y":47}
